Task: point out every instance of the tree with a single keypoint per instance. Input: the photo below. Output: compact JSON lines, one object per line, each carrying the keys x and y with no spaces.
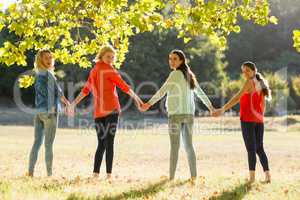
{"x":297,"y":39}
{"x":270,"y":47}
{"x":74,"y":30}
{"x":58,"y":25}
{"x":280,"y":94}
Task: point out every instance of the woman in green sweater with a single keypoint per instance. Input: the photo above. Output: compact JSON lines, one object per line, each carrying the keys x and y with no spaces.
{"x":180,"y":87}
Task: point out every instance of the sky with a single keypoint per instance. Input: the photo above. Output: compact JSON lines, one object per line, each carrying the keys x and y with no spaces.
{"x":6,"y":3}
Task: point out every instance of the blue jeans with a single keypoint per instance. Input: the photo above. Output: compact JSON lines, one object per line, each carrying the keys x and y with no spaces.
{"x":181,"y":124}
{"x":44,"y":127}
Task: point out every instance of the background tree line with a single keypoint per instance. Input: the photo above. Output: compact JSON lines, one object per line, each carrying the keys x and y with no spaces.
{"x":270,"y":47}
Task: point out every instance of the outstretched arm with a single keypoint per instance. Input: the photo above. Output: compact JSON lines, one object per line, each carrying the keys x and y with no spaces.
{"x":160,"y":93}
{"x":115,"y":77}
{"x":79,"y":98}
{"x":203,"y":97}
{"x":138,"y":102}
{"x":54,"y":87}
{"x":65,"y":100}
{"x":70,"y":110}
{"x":234,"y":100}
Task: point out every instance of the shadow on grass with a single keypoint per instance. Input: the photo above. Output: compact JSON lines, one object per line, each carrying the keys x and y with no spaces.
{"x":147,"y":191}
{"x":139,"y":192}
{"x":236,"y":193}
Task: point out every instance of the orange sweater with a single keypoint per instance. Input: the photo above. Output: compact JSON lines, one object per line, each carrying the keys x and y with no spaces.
{"x":102,"y":82}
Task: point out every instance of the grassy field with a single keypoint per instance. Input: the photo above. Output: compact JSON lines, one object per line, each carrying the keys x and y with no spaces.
{"x":142,"y":160}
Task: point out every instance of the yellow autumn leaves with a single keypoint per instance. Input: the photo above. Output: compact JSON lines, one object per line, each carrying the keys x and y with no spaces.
{"x":26,"y":81}
{"x":296,"y":38}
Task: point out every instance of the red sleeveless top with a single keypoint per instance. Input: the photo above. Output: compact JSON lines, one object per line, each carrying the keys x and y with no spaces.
{"x":252,"y":107}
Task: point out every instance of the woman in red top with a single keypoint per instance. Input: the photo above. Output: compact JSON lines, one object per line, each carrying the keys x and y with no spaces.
{"x":252,"y":106}
{"x":102,"y":82}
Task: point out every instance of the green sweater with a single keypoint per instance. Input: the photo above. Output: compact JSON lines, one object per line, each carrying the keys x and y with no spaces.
{"x":180,"y":97}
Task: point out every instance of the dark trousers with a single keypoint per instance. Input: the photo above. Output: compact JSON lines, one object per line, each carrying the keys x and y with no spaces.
{"x":253,"y":134}
{"x":106,"y":128}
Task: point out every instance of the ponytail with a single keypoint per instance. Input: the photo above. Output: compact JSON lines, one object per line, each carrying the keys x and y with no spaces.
{"x":264,"y":85}
{"x":185,"y":69}
{"x":188,"y":75}
{"x":263,"y":82}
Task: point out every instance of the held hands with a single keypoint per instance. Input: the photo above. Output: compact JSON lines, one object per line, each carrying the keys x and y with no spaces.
{"x":144,"y":107}
{"x":217,"y":112}
{"x":70,"y":110}
{"x":67,"y":107}
{"x":138,"y":102}
{"x":141,"y":105}
{"x":67,"y":103}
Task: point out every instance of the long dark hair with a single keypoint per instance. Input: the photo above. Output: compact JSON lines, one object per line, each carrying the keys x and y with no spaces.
{"x":185,"y":69}
{"x":263,"y":82}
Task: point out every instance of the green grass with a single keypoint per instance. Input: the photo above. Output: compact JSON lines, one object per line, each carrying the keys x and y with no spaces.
{"x":5,"y":190}
{"x":141,"y":165}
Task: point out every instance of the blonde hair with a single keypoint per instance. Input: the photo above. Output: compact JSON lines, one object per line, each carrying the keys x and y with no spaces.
{"x":38,"y":64}
{"x":103,"y":51}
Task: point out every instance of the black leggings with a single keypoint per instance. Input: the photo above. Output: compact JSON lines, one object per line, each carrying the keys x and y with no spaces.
{"x":106,"y":128}
{"x":253,"y":134}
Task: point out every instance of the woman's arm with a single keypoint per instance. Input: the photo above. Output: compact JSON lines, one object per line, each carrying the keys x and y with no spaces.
{"x":84,"y":92}
{"x":163,"y":89}
{"x":136,"y":98}
{"x":64,"y":100}
{"x":203,"y":97}
{"x":53,"y":87}
{"x":160,"y":93}
{"x":70,"y":109}
{"x":235,"y":99}
{"x":116,"y":78}
{"x":61,"y":95}
{"x":78,"y":99}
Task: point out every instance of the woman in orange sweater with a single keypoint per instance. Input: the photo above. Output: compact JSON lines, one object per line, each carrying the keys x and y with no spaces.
{"x":102,"y":82}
